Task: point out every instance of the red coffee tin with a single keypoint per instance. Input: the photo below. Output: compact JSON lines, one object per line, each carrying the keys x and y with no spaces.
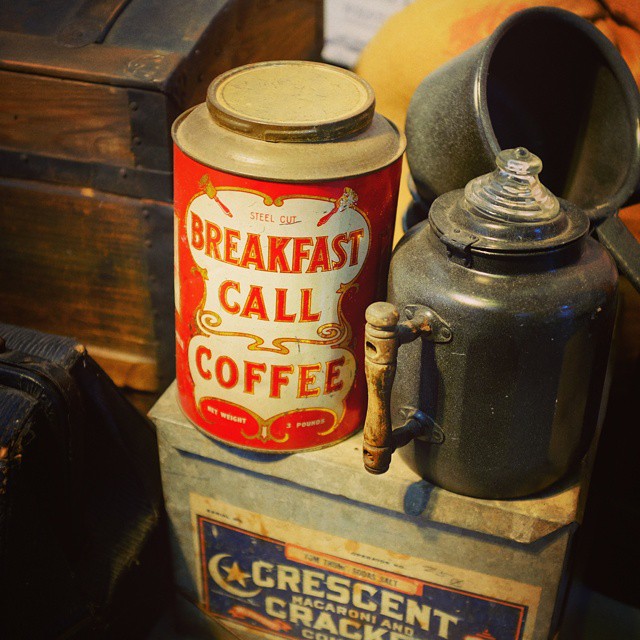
{"x":285,"y":195}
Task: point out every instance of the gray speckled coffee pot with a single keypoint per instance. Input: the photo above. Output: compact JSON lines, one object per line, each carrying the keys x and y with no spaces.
{"x":504,"y":307}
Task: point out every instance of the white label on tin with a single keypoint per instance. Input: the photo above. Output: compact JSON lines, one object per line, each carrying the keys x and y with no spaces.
{"x":271,"y":335}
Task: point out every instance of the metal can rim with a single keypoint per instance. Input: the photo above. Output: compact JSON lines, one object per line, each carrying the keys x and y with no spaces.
{"x":291,"y":88}
{"x":199,"y":137}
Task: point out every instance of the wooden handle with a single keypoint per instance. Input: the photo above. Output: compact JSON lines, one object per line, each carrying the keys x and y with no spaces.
{"x":381,"y":351}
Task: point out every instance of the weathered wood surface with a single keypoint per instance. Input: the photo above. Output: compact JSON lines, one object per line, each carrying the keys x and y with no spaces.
{"x":63,"y":118}
{"x":252,"y":31}
{"x":74,"y":262}
{"x":172,"y":49}
{"x":27,"y":53}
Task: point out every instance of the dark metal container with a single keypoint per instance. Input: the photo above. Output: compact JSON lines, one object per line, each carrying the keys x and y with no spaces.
{"x":576,"y":106}
{"x":508,"y":306}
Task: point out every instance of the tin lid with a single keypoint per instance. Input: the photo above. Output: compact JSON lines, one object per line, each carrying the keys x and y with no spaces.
{"x":508,"y":210}
{"x":315,"y":131}
{"x":291,"y":101}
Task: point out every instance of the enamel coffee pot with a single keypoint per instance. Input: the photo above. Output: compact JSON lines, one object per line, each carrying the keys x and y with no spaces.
{"x":504,"y":307}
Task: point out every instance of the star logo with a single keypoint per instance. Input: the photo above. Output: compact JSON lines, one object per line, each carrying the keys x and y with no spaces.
{"x":236,"y":574}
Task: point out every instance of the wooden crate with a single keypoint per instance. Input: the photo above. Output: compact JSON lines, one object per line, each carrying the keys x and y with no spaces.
{"x":89,"y":91}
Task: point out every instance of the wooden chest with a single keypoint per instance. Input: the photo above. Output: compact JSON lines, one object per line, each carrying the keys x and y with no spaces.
{"x":89,"y":89}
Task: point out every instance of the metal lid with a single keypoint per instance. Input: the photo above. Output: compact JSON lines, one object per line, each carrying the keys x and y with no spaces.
{"x":291,"y":101}
{"x":507,"y":211}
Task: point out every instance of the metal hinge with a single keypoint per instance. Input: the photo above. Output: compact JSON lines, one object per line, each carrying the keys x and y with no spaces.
{"x":429,"y":324}
{"x":459,"y":246}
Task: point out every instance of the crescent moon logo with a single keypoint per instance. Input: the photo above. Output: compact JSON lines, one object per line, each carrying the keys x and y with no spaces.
{"x":234,"y":574}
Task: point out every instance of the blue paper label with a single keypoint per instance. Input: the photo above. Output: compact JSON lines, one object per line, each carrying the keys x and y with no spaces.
{"x":286,"y":590}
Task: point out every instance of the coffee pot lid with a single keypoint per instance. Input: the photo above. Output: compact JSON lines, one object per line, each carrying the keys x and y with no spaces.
{"x":508,"y":210}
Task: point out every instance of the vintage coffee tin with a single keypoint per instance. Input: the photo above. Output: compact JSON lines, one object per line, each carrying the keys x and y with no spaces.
{"x":285,"y":196}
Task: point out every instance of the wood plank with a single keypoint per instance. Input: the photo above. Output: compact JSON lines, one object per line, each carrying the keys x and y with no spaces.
{"x":63,"y":118}
{"x":277,"y":28}
{"x":131,"y":371}
{"x":100,"y":63}
{"x":74,"y":262}
{"x":249,"y":31}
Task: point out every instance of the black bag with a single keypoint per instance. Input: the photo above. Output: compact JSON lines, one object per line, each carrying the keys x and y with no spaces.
{"x":83,"y":547}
